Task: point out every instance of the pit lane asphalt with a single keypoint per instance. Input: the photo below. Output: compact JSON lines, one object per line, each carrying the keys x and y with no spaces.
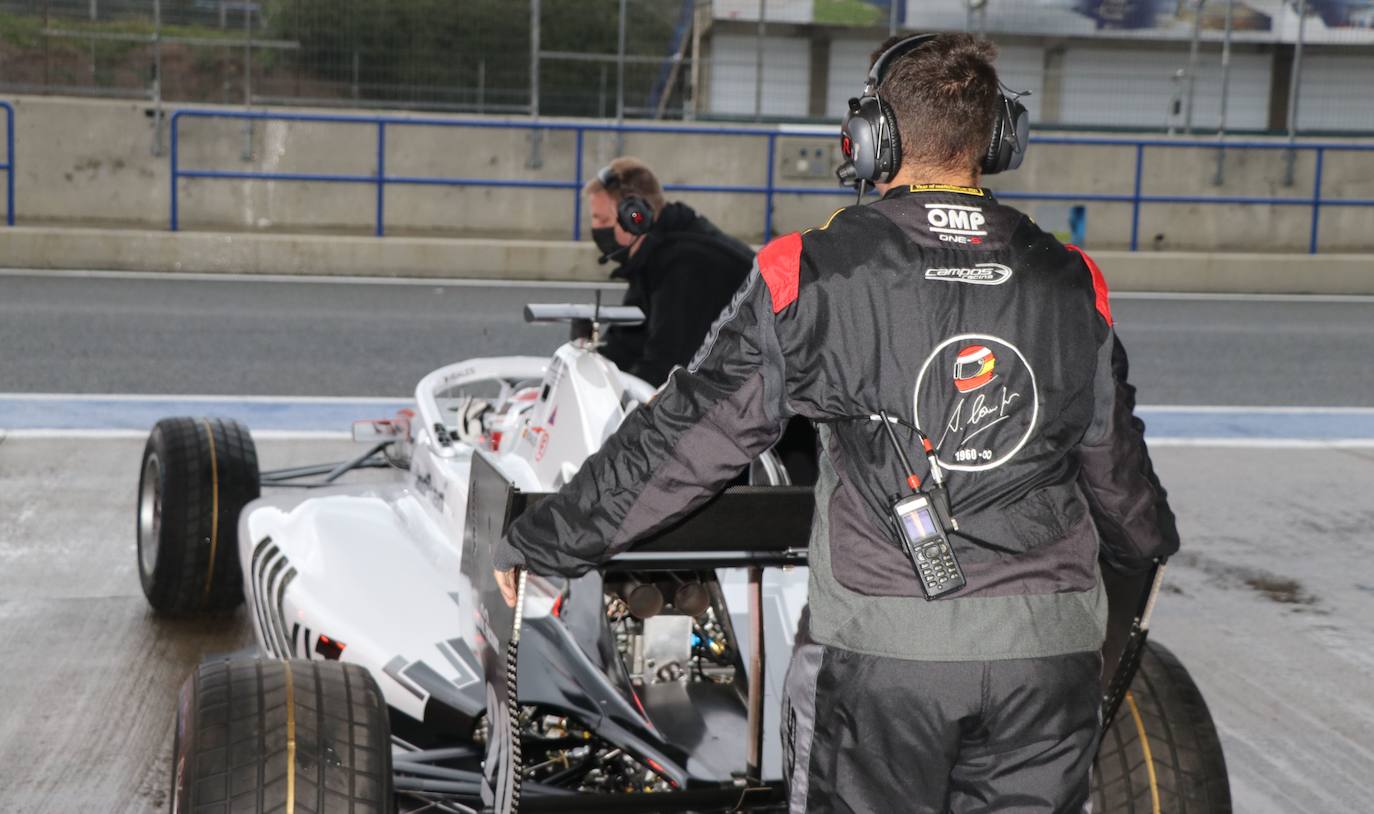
{"x":1268,"y":606}
{"x":156,"y":334}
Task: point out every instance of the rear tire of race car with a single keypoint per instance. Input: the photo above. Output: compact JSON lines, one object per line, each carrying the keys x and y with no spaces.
{"x":1161,"y":753}
{"x":262,"y":735}
{"x":197,"y":475}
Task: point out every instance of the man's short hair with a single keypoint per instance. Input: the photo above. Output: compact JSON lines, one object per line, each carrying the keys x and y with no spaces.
{"x":630,"y":176}
{"x":944,"y":96}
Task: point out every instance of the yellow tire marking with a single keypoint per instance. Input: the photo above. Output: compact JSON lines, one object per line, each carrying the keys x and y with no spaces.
{"x":214,"y":507}
{"x":1145,"y":747}
{"x":290,"y":742}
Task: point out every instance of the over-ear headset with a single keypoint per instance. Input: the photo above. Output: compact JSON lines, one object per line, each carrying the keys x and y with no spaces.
{"x":872,"y":145}
{"x":633,"y":213}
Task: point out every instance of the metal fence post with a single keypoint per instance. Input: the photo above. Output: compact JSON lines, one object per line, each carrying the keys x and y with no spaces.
{"x":1220,"y":175}
{"x":577,"y":188}
{"x":9,"y":165}
{"x":157,"y":74}
{"x":247,"y":80}
{"x":176,"y":115}
{"x":1192,"y":68}
{"x":534,"y":58}
{"x":1294,"y":81}
{"x":758,"y":60}
{"x":768,"y":194}
{"x":1135,"y":196}
{"x":620,"y":83}
{"x":381,"y":178}
{"x":1316,"y":199}
{"x":481,"y":86}
{"x":536,"y":159}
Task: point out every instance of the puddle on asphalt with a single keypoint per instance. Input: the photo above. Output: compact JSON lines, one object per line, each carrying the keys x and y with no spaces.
{"x":1267,"y":584}
{"x":1281,"y":590}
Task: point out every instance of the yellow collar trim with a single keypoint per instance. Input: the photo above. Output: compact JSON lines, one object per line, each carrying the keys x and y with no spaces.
{"x":946,"y":188}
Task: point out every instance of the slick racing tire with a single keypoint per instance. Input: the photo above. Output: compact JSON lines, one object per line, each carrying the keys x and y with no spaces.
{"x":1161,"y":753}
{"x":261,"y":735}
{"x":196,"y":475}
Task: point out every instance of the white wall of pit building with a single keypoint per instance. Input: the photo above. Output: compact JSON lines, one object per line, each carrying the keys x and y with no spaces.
{"x":1089,"y":83}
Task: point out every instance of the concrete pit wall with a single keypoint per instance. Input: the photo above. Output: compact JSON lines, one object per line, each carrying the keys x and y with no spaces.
{"x":85,"y":162}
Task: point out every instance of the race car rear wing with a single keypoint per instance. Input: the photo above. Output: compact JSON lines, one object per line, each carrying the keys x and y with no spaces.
{"x":694,"y":543}
{"x":586,"y":321}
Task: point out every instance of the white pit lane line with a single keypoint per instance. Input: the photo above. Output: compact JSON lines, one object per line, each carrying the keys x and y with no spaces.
{"x":309,"y":279}
{"x":496,"y":282}
{"x":118,"y":415}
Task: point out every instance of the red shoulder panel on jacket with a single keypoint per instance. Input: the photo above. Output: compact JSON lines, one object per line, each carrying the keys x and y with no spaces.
{"x":780,"y":265}
{"x":1104,"y":306}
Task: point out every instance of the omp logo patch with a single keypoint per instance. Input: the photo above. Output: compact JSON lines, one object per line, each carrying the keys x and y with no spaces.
{"x":954,"y":223}
{"x":980,"y":274}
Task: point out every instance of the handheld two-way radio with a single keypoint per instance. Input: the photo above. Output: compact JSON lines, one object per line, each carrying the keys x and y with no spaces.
{"x":923,"y":520}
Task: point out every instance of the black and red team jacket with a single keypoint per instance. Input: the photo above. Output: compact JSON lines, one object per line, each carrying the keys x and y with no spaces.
{"x":958,"y":315}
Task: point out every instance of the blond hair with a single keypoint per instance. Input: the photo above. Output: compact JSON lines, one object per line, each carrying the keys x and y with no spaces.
{"x":630,"y":176}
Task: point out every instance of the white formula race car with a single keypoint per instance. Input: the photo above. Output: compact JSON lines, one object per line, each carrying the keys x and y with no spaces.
{"x":380,"y":680}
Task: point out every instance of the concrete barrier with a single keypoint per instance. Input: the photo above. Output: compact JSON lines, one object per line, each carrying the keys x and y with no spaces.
{"x":258,"y":253}
{"x":84,"y":162}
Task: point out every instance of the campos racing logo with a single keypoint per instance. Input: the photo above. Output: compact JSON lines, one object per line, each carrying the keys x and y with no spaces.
{"x":976,"y":398}
{"x":981,"y":274}
{"x":953,"y":223}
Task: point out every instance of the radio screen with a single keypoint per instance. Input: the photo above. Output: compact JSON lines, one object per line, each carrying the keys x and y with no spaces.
{"x":919,"y":524}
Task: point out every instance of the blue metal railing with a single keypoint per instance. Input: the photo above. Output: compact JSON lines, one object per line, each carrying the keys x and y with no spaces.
{"x":769,"y":190}
{"x":1316,"y":200}
{"x":8,"y":166}
{"x":381,"y":180}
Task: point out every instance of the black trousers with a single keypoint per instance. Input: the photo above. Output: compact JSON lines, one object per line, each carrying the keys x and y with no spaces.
{"x":871,"y":734}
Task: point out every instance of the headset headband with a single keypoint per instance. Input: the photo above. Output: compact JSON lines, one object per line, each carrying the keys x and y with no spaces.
{"x":875,"y":74}
{"x":608,"y":178}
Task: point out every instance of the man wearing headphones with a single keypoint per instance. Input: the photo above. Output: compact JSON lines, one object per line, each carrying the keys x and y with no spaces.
{"x":680,"y":269}
{"x":979,"y":454}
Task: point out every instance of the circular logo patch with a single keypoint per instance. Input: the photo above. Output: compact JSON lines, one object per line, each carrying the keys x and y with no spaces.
{"x":976,"y":400}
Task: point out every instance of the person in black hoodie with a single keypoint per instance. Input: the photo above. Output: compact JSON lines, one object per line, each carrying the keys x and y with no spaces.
{"x":681,"y":269}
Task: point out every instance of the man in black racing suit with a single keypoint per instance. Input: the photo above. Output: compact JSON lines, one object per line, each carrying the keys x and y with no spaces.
{"x":956,"y":314}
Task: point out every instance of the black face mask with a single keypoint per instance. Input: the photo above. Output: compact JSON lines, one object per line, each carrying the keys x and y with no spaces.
{"x":604,"y":238}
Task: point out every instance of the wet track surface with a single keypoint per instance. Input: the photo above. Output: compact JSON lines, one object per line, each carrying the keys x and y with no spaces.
{"x":1268,"y":605}
{"x":1280,"y":644}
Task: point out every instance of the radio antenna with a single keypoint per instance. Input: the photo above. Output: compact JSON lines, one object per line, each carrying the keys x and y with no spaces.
{"x":596,"y":320}
{"x":913,"y":482}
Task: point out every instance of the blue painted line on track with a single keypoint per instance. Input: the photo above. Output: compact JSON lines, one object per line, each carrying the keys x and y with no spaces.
{"x":141,"y":414}
{"x":1259,"y":424}
{"x":312,"y":415}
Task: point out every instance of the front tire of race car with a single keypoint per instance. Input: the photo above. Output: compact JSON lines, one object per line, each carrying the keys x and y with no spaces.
{"x":262,"y":735}
{"x":197,"y":475}
{"x":1161,"y":753}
